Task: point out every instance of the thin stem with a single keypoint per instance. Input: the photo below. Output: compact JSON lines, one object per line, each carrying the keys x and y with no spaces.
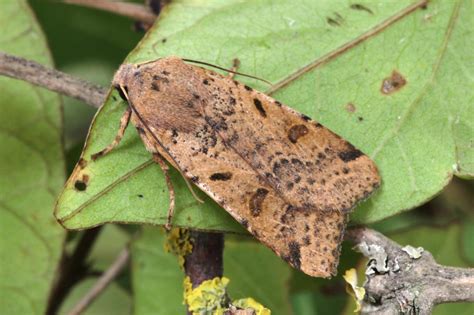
{"x":107,"y":277}
{"x":57,"y":81}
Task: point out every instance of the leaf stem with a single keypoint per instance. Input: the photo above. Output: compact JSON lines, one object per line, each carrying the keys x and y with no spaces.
{"x":107,"y":277}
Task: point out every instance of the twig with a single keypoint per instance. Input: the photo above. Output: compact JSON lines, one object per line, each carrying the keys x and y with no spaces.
{"x":72,"y":269}
{"x":400,"y":282}
{"x":107,"y":277}
{"x":205,"y":261}
{"x":132,"y":10}
{"x":35,"y":73}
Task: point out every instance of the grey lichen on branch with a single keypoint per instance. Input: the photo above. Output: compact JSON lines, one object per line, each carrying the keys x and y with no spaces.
{"x":404,"y":280}
{"x":57,"y":81}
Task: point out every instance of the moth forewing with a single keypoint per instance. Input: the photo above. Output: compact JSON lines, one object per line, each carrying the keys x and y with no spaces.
{"x":287,"y":179}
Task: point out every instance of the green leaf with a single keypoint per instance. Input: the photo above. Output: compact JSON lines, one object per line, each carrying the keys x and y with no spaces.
{"x":334,"y":57}
{"x":254,"y":271}
{"x":32,"y":168}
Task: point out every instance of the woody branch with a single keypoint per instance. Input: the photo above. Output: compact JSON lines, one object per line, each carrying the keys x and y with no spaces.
{"x":398,"y":283}
{"x":418,"y":284}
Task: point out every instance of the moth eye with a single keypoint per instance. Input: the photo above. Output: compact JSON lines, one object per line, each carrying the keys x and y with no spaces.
{"x":120,"y":91}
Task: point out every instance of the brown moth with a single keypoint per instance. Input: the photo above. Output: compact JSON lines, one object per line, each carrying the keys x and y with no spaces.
{"x":287,"y":179}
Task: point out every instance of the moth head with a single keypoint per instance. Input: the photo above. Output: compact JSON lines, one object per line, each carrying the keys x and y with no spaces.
{"x":123,"y":75}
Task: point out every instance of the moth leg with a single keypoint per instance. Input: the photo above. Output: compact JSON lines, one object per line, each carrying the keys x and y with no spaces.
{"x":164,"y":167}
{"x":235,"y":66}
{"x":123,"y":125}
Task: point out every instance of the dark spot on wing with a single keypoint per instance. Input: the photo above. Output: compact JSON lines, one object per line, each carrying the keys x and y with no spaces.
{"x":245,"y":223}
{"x":160,"y":79}
{"x":259,"y":106}
{"x":393,"y":83}
{"x":349,"y":154}
{"x":305,"y":118}
{"x":295,"y":255}
{"x":297,"y":132}
{"x":306,"y":240}
{"x":360,"y":7}
{"x":195,"y":179}
{"x":205,"y":81}
{"x":256,"y":201}
{"x":155,"y":86}
{"x":221,"y":176}
{"x":248,"y":88}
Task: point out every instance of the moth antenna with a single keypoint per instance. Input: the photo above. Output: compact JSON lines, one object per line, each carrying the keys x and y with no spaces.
{"x":228,"y":70}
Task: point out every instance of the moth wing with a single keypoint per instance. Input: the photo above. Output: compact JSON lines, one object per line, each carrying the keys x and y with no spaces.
{"x":260,"y":160}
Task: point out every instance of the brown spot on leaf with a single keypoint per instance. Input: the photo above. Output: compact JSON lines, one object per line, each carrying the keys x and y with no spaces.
{"x":393,"y":83}
{"x":350,"y":107}
{"x":255,"y":203}
{"x":332,"y":22}
{"x":297,"y":132}
{"x":81,"y":184}
{"x":82,"y":163}
{"x":360,"y":7}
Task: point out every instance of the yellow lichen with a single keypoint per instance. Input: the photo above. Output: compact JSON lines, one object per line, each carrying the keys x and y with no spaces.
{"x":353,"y":289}
{"x":252,"y":304}
{"x":179,"y":243}
{"x":210,"y":297}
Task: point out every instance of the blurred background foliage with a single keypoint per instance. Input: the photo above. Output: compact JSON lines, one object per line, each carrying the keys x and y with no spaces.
{"x":91,"y":44}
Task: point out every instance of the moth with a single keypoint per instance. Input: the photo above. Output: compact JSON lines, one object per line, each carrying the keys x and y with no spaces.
{"x":287,"y":179}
